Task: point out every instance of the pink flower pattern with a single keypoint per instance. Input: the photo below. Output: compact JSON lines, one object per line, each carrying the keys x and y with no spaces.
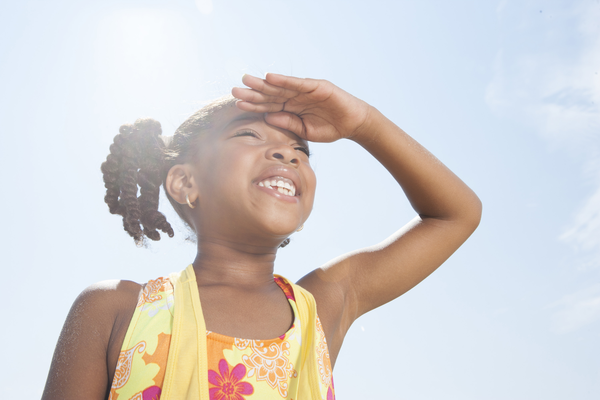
{"x":229,"y":385}
{"x":330,"y":394}
{"x":152,"y":393}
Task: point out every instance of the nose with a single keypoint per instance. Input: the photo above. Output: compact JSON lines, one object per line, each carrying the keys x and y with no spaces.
{"x":283,"y":153}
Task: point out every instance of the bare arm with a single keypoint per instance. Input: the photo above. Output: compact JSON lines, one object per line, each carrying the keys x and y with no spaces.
{"x":88,"y":347}
{"x":448,"y":211}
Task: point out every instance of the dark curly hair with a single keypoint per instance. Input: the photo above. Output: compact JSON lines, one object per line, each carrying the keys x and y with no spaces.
{"x":141,"y":156}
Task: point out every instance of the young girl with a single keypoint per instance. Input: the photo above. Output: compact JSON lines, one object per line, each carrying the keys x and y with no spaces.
{"x":239,"y":175}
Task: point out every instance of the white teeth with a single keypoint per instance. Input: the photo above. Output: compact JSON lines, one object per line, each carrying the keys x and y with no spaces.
{"x":283,"y":185}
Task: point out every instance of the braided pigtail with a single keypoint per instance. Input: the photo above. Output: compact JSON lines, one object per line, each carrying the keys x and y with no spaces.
{"x":150,"y":179}
{"x":136,"y":158}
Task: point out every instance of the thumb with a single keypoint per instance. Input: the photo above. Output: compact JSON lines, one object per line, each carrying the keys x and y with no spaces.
{"x":287,"y":121}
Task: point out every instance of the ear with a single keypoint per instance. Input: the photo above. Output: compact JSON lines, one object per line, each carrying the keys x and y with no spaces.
{"x":180,"y":183}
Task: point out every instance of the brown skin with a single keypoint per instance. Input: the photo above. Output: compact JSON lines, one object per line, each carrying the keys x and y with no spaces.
{"x":88,"y":348}
{"x":240,"y":228}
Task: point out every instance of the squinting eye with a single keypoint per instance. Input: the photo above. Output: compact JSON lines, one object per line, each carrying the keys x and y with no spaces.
{"x":245,"y":133}
{"x":304,"y":150}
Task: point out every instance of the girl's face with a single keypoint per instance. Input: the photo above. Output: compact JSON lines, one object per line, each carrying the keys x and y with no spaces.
{"x":255,"y":181}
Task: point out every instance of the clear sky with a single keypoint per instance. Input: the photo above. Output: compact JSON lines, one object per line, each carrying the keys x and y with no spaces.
{"x":506,"y":93}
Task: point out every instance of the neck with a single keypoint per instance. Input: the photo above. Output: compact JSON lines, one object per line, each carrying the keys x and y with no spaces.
{"x":234,"y":264}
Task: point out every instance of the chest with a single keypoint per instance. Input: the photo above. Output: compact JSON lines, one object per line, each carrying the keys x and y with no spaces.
{"x":275,"y":368}
{"x":246,"y":315}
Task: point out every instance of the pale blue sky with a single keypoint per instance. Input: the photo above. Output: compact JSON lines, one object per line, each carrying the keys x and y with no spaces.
{"x":506,"y":93}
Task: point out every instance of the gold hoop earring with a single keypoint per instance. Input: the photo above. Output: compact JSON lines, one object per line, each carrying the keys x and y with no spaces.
{"x":301,"y":227}
{"x":187,"y":198}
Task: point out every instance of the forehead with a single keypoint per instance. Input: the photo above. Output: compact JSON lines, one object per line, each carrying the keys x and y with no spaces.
{"x":240,"y":117}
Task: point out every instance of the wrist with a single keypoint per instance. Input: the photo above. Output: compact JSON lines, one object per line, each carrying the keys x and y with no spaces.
{"x":368,"y":130}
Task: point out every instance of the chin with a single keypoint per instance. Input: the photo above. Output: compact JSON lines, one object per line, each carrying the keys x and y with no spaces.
{"x":284,"y":233}
{"x":279,"y":229}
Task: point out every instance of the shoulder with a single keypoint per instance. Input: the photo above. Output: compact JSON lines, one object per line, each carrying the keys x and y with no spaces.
{"x":91,"y":337}
{"x":113,"y":288}
{"x":108,"y":297}
{"x":102,"y":308}
{"x":101,"y":312}
{"x":330,"y":295}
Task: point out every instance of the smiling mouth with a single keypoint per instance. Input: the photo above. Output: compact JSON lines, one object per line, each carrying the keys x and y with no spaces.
{"x":283,"y":185}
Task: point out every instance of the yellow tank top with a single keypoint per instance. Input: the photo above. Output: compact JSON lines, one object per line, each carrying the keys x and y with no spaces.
{"x":293,"y":366}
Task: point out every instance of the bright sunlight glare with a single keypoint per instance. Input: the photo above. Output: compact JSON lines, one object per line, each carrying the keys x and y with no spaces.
{"x":137,"y":52}
{"x":204,"y":6}
{"x":134,"y":40}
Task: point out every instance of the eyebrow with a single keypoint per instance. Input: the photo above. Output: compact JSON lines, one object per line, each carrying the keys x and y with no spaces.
{"x":247,"y":116}
{"x":244,"y":117}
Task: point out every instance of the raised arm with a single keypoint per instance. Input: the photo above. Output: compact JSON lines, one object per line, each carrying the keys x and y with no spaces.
{"x":448,"y":211}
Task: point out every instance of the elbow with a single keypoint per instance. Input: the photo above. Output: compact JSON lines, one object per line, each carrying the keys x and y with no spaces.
{"x":475,"y":209}
{"x":466,"y":213}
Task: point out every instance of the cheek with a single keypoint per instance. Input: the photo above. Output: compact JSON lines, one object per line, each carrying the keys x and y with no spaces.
{"x":311,"y":187}
{"x":225,"y":177}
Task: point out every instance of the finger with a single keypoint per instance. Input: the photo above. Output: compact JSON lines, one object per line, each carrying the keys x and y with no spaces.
{"x":259,"y":108}
{"x":252,"y":96}
{"x":287,"y":121}
{"x":300,"y":85}
{"x":263,"y":86}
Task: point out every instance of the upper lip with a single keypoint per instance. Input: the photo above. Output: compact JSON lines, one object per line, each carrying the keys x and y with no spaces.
{"x":281,"y":170}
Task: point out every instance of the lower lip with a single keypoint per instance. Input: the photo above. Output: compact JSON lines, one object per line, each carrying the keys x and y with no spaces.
{"x":280,"y":196}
